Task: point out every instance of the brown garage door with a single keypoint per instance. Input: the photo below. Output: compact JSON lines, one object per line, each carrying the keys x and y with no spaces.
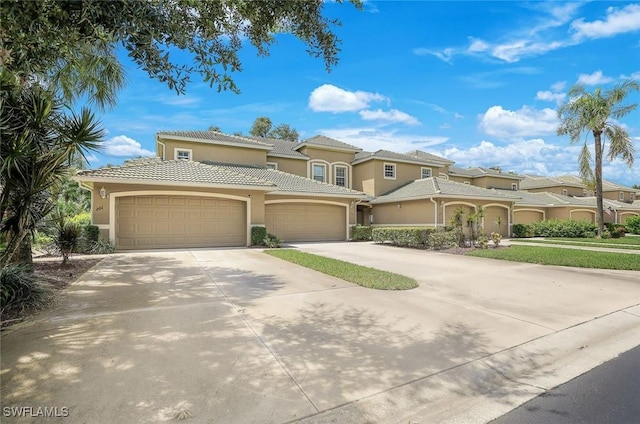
{"x":527,"y":217}
{"x":147,"y":222}
{"x":306,"y":221}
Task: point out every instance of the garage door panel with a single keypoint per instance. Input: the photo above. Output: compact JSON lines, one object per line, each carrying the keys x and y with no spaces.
{"x":306,"y":221}
{"x":146,"y":222}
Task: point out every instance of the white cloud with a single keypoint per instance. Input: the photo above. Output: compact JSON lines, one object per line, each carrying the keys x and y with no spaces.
{"x":617,"y":21}
{"x":477,"y":45}
{"x":122,"y":145}
{"x":550,"y":96}
{"x":594,"y":79}
{"x":525,"y":122}
{"x":513,"y":51}
{"x":633,"y":76}
{"x":457,"y":116}
{"x":393,"y":115}
{"x":559,"y":86}
{"x":329,"y":98}
{"x":372,"y":139}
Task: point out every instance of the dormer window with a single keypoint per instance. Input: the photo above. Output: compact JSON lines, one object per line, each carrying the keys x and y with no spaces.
{"x":272,"y":165}
{"x":632,"y":196}
{"x":183,"y":154}
{"x":621,"y":196}
{"x":340,"y":176}
{"x":319,"y":172}
{"x":565,"y":192}
{"x":425,"y":173}
{"x":514,"y":186}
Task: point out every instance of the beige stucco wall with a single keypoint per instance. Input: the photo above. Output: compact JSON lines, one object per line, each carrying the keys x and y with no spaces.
{"x":369,"y":176}
{"x":327,"y":155}
{"x":459,"y":179}
{"x":363,"y":177}
{"x":414,"y":212}
{"x":575,"y":213}
{"x":615,"y":195}
{"x":292,"y":166}
{"x":217,"y":153}
{"x":493,"y":182}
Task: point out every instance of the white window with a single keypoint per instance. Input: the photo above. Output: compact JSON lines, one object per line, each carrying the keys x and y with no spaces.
{"x":467,"y":183}
{"x":340,"y":176}
{"x":319,"y":172}
{"x":632,"y":196}
{"x":272,"y":165}
{"x":425,"y":172}
{"x":390,"y":171}
{"x":565,"y":192}
{"x":183,"y":154}
{"x":584,"y":192}
{"x":621,"y":196}
{"x":514,"y":186}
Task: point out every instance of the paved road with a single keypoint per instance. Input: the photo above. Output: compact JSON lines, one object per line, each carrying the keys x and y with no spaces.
{"x":238,"y":336}
{"x":609,"y":393}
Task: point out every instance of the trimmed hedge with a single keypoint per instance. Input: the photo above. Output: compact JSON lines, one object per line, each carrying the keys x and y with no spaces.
{"x":521,"y":231}
{"x":258,"y":234}
{"x":403,"y":236}
{"x":360,"y":233}
{"x":633,"y":224}
{"x":563,"y":228}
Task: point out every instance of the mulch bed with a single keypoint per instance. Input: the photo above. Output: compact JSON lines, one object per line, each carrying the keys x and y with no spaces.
{"x":55,"y":274}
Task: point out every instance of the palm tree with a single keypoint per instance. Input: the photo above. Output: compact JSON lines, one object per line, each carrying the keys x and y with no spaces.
{"x":598,"y":113}
{"x":38,"y":141}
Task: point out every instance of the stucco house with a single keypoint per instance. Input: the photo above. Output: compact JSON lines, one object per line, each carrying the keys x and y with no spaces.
{"x":208,"y":189}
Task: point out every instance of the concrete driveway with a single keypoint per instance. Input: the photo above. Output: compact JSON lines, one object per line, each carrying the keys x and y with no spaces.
{"x":236,"y":336}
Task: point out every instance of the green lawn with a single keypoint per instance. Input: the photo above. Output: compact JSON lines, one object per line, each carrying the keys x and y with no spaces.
{"x":632,"y":243}
{"x":563,"y":257}
{"x":360,"y":275}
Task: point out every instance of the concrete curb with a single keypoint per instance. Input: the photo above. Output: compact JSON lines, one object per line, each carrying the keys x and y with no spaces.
{"x":485,"y":389}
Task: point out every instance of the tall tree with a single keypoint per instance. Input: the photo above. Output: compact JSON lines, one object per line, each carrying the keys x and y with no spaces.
{"x":597,"y":113}
{"x":38,"y":142}
{"x":261,"y":127}
{"x":53,"y":36}
{"x":284,"y":132}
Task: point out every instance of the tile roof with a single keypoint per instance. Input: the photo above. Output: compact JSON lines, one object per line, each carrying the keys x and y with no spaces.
{"x":440,"y":187}
{"x":291,"y":183}
{"x":429,"y":157}
{"x":478,"y":171}
{"x":216,"y":138}
{"x":324,"y":141}
{"x":538,"y":181}
{"x":390,"y":156}
{"x":173,"y":171}
{"x":282,"y":148}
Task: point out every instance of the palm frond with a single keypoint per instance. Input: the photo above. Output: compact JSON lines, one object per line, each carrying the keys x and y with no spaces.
{"x":584,"y":162}
{"x":620,"y":144}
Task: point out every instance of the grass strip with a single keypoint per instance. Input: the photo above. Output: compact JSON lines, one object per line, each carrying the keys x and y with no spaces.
{"x":562,"y":257}
{"x":584,"y":243}
{"x":634,"y":240}
{"x":361,"y":275}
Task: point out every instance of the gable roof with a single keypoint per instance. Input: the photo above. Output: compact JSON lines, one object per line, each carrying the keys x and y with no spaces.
{"x":282,"y":148}
{"x":214,"y":137}
{"x":392,"y":157}
{"x":289,"y":183}
{"x":173,"y":172}
{"x":327,"y":142}
{"x":440,"y":187}
{"x":429,"y":157}
{"x":479,"y":171}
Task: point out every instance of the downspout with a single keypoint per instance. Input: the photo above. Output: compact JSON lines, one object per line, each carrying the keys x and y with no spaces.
{"x":435,"y":210}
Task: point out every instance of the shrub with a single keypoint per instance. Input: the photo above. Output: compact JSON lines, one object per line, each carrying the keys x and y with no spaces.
{"x":443,"y":239}
{"x":82,"y":219}
{"x":496,"y":238}
{"x":417,"y":237}
{"x":360,"y":232}
{"x":521,"y":230}
{"x":616,"y":230}
{"x":91,"y":233}
{"x":633,"y":224}
{"x":42,"y":241}
{"x":258,"y":234}
{"x":101,"y":247}
{"x":564,"y":228}
{"x":20,"y":288}
{"x":271,"y":241}
{"x":67,"y":239}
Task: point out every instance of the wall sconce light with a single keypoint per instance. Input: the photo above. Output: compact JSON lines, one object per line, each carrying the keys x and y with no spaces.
{"x":103,"y":193}
{"x":399,"y":206}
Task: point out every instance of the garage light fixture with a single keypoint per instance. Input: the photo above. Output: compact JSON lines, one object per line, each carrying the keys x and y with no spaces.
{"x":103,"y":193}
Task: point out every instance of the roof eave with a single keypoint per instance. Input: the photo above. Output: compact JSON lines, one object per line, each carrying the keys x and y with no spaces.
{"x":108,"y":180}
{"x":207,"y":141}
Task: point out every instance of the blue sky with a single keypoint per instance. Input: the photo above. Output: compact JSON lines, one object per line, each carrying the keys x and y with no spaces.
{"x":475,"y":82}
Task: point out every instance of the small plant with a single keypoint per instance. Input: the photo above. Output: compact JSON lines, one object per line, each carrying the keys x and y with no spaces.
{"x":483,"y":242}
{"x":496,"y":238}
{"x":271,"y":241}
{"x":20,"y":288}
